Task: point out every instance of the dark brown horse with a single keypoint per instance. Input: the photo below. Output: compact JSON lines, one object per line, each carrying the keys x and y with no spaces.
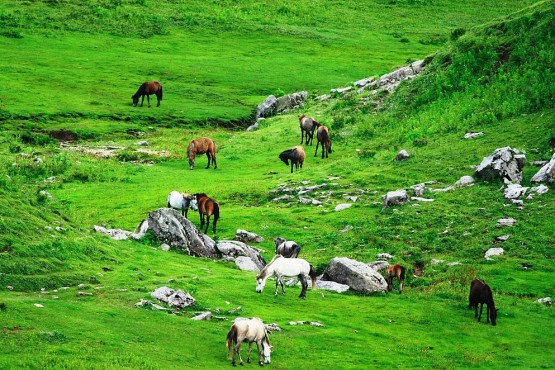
{"x":296,"y":155}
{"x":207,"y":207}
{"x":481,"y":293}
{"x":307,"y":125}
{"x":148,"y":88}
{"x":393,"y":271}
{"x":323,"y":137}
{"x":201,"y":146}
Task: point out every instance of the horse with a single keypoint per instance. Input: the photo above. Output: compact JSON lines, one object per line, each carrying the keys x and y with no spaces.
{"x":206,"y":208}
{"x":307,"y":125}
{"x":296,"y":155}
{"x":201,"y":146}
{"x":287,"y":248}
{"x":395,"y":271}
{"x":148,"y":88}
{"x":481,"y":293}
{"x":250,"y":331}
{"x":281,"y":267}
{"x":323,"y":137}
{"x":182,"y":201}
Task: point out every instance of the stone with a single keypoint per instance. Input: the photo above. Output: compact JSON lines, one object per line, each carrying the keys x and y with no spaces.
{"x":165,"y":247}
{"x":170,"y":227}
{"x":420,"y":199}
{"x":175,"y":298}
{"x":246,"y":264}
{"x":341,"y":207}
{"x":537,"y":190}
{"x":451,"y":264}
{"x":142,"y":143}
{"x":436,"y":261}
{"x":341,"y":90}
{"x":140,"y":231}
{"x":267,"y":108}
{"x":547,"y":301}
{"x":395,"y":198}
{"x":253,"y":127}
{"x":272,"y":327}
{"x":248,"y":237}
{"x":207,"y":315}
{"x":493,"y":252}
{"x":386,"y":256}
{"x":472,"y":135}
{"x":418,"y":189}
{"x":546,"y":173}
{"x":502,"y":238}
{"x":115,"y":234}
{"x":464,"y":181}
{"x":506,"y":222}
{"x":232,"y":249}
{"x":378,"y":265}
{"x":514,"y":191}
{"x":357,"y":275}
{"x":332,"y":286}
{"x":402,"y":155}
{"x":316,"y":324}
{"x":503,"y":163}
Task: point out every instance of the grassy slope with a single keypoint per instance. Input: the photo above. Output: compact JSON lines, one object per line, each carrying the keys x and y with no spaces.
{"x":430,"y":322}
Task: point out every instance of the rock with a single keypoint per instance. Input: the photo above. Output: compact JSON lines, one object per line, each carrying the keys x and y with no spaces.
{"x":502,"y":238}
{"x":378,"y":265}
{"x":232,"y":249}
{"x":292,"y":101}
{"x":38,"y":305}
{"x":332,"y":286}
{"x":546,"y":173}
{"x":386,"y":256}
{"x":165,"y":247}
{"x":418,"y":189}
{"x":364,"y":82}
{"x":341,"y":90}
{"x":402,"y":155}
{"x":142,"y":143}
{"x":207,"y":315}
{"x":546,"y":301}
{"x":346,"y":228}
{"x":253,"y":127}
{"x":341,"y":207}
{"x":140,"y":231}
{"x":464,"y":181}
{"x":451,"y":264}
{"x":539,"y":163}
{"x":175,"y":298}
{"x":493,"y":252}
{"x":172,"y":228}
{"x":115,"y":234}
{"x":247,"y":237}
{"x":246,"y":264}
{"x":357,"y":275}
{"x":514,"y":191}
{"x":395,"y":198}
{"x":316,"y":324}
{"x":537,"y":190}
{"x":472,"y":135}
{"x":272,"y":327}
{"x":503,"y":163}
{"x":267,"y":108}
{"x":436,"y":261}
{"x":419,"y":199}
{"x":506,"y":222}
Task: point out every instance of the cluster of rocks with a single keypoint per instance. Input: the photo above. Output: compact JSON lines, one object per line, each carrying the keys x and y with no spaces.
{"x":272,"y":105}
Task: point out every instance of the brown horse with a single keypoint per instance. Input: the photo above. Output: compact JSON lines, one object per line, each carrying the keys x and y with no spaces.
{"x":201,"y":146}
{"x":148,"y":88}
{"x":296,"y":155}
{"x":395,"y":271}
{"x":307,"y":125}
{"x":323,"y":137}
{"x":481,"y":293}
{"x":206,"y":208}
{"x":250,"y":331}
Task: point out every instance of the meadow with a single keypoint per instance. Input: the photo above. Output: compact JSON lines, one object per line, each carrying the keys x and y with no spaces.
{"x":72,"y":67}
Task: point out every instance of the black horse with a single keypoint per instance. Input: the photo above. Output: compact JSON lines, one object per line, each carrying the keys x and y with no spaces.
{"x":481,"y":293}
{"x":287,"y":248}
{"x":148,"y":88}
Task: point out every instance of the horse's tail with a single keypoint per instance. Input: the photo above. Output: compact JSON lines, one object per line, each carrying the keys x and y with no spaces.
{"x":231,"y":336}
{"x":402,"y":275}
{"x":312,"y":274}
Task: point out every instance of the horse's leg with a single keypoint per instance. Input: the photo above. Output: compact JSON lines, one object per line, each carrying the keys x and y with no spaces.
{"x":201,"y":219}
{"x":207,"y":223}
{"x":277,"y":282}
{"x":158,"y":98}
{"x":260,"y":361}
{"x":282,"y":285}
{"x":400,"y":285}
{"x":249,"y":356}
{"x":487,"y":313}
{"x":316,"y":152}
{"x":480,"y":315}
{"x":214,"y":159}
{"x":302,"y":135}
{"x":208,"y":156}
{"x":238,"y":351}
{"x":304,"y":285}
{"x":142,"y":100}
{"x":148,"y":100}
{"x":214,"y":225}
{"x":291,"y":166}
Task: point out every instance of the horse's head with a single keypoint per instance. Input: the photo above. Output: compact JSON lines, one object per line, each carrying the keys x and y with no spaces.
{"x":279,"y":241}
{"x":493,"y":316}
{"x":135,"y":100}
{"x":267,"y":350}
{"x":301,"y":116}
{"x":284,"y":156}
{"x":193,"y":204}
{"x":260,"y":283}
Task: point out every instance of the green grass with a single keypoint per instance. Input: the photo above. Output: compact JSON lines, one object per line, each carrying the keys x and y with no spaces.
{"x":217,"y":61}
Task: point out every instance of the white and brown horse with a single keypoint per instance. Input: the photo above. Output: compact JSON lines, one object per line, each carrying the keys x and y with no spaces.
{"x":323,"y":137}
{"x":281,"y":267}
{"x":182,"y":201}
{"x":147,"y":89}
{"x":201,"y":146}
{"x":296,"y":155}
{"x":250,"y":331}
{"x":393,"y":271}
{"x":307,"y":126}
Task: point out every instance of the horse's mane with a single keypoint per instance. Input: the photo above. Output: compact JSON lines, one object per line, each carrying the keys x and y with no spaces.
{"x":263,"y":272}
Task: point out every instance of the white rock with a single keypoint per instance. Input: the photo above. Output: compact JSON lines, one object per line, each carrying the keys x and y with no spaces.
{"x":246,"y":264}
{"x":472,"y":135}
{"x":506,"y":221}
{"x":464,"y":181}
{"x":332,"y":286}
{"x":546,"y":300}
{"x":493,"y":252}
{"x":203,"y":316}
{"x":341,"y":207}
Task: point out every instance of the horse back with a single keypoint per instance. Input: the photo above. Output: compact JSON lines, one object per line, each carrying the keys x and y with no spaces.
{"x":301,"y":155}
{"x":480,"y":292}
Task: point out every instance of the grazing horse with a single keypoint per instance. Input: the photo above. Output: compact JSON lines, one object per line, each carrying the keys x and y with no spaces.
{"x":323,"y":137}
{"x":296,"y":155}
{"x":307,"y":125}
{"x":201,"y":146}
{"x":480,"y":293}
{"x":182,"y":201}
{"x":206,"y":208}
{"x":287,"y":248}
{"x":281,"y":267}
{"x":395,"y":271}
{"x":148,"y":88}
{"x":250,"y":331}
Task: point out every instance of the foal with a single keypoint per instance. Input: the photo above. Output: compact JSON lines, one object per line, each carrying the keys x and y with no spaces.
{"x":481,"y":293}
{"x":395,"y":271}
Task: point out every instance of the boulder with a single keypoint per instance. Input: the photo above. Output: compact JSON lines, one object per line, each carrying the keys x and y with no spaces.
{"x":493,"y":252}
{"x":357,"y":275}
{"x":418,"y":189}
{"x":175,"y":230}
{"x":291,"y":101}
{"x":232,"y":249}
{"x":546,"y":173}
{"x":472,"y":135}
{"x":401,"y":156}
{"x":504,"y":163}
{"x":464,"y":181}
{"x":514,"y":191}
{"x":343,"y":206}
{"x":332,"y":286}
{"x":547,"y":301}
{"x":267,"y":108}
{"x":248,"y":237}
{"x":537,"y":190}
{"x":115,"y":234}
{"x":395,"y":198}
{"x":175,"y":298}
{"x":246,"y":264}
{"x":506,"y":222}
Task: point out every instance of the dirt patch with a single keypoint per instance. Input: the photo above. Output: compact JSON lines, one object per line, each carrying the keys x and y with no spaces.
{"x":64,"y":135}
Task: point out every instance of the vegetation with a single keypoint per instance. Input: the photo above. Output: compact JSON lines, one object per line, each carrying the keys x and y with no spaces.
{"x":72,"y":65}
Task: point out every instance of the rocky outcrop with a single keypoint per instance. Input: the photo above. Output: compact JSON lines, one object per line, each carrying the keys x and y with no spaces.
{"x":179,"y":233}
{"x":232,"y":249}
{"x":357,"y":275}
{"x":504,"y":163}
{"x":248,"y":237}
{"x":175,"y":298}
{"x":546,"y":173}
{"x":272,"y":105}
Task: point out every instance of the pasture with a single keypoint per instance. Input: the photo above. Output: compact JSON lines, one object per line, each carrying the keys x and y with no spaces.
{"x":72,"y":67}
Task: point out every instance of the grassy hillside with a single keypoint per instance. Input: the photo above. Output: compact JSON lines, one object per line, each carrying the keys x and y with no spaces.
{"x":491,"y":75}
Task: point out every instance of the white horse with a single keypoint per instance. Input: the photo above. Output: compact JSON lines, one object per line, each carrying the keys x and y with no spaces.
{"x":182,"y":201}
{"x":281,"y":267}
{"x":250,"y":331}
